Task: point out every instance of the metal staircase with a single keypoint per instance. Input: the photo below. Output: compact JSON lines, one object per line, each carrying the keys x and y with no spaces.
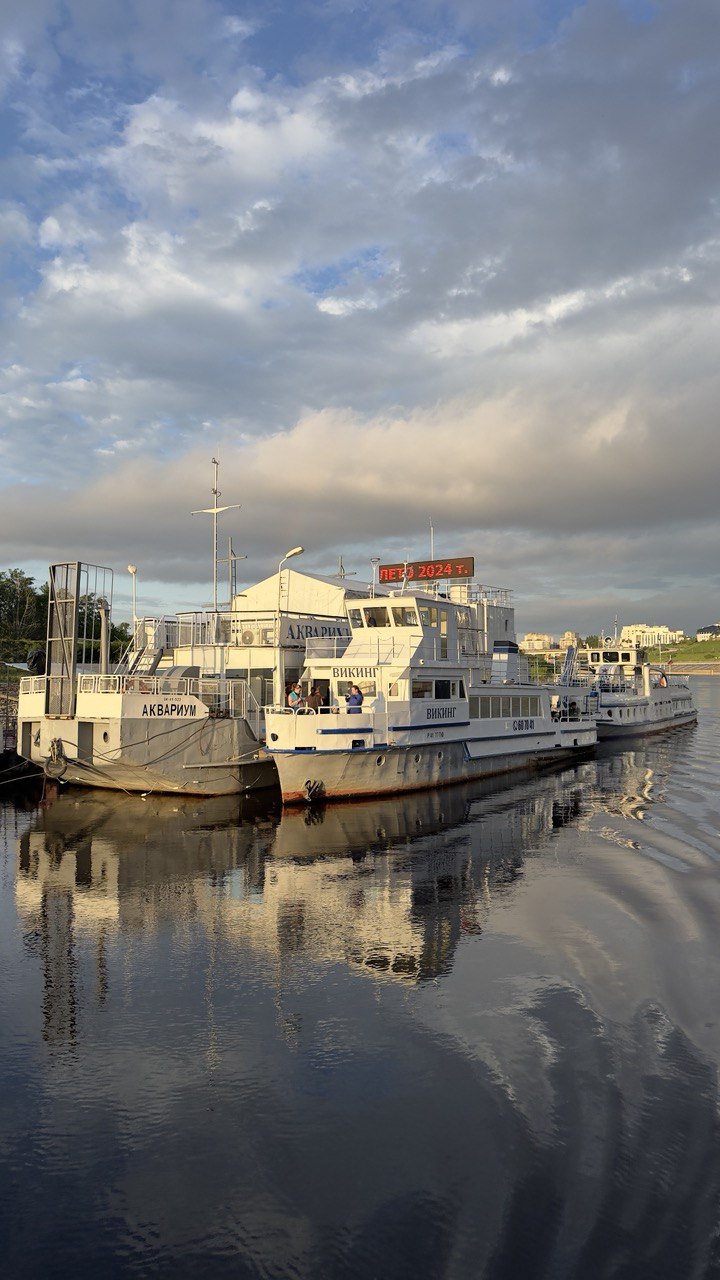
{"x":146,"y":661}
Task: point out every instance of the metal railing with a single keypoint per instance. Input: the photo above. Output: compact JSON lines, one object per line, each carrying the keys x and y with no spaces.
{"x":326,"y":646}
{"x":374,"y":646}
{"x":32,"y":684}
{"x":223,"y":698}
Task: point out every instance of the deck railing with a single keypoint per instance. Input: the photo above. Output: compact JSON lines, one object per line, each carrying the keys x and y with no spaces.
{"x":232,"y":698}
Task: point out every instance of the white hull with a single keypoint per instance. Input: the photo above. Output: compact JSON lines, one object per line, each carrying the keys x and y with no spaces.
{"x":115,"y":743}
{"x":417,"y":701}
{"x":608,"y":730}
{"x":632,"y":697}
{"x":132,"y":775}
{"x":629,"y":716}
{"x":392,"y":770}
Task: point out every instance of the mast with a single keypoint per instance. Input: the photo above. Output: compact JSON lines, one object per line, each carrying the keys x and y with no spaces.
{"x":214,"y":511}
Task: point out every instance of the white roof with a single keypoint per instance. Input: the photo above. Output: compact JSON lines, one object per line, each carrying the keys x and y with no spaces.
{"x":302,"y":592}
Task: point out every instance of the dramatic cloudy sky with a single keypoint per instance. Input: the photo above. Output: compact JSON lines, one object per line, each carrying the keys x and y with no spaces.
{"x":392,"y":264}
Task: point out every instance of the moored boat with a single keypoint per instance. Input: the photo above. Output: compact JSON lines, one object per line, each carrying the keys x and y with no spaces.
{"x":182,"y":712}
{"x":444,"y":696}
{"x":631,"y":696}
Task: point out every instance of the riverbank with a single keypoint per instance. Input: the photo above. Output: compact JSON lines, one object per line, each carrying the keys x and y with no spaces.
{"x":679,"y":668}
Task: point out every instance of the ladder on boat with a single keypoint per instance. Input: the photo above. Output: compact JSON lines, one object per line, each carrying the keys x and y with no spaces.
{"x":146,"y":661}
{"x":568,"y":671}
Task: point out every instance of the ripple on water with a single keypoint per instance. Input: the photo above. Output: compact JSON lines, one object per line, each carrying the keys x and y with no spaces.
{"x":469,"y":1034}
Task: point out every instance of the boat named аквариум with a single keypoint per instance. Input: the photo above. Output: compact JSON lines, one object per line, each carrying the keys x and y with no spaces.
{"x":182,"y":713}
{"x":446,"y":695}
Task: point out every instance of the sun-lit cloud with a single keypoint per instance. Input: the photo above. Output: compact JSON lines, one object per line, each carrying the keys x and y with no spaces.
{"x":465,"y":269}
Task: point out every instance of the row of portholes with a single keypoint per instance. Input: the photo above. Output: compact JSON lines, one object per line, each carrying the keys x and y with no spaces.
{"x":416,"y":758}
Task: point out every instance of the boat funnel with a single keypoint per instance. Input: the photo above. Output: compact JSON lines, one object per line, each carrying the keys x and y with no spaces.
{"x":505,"y":662}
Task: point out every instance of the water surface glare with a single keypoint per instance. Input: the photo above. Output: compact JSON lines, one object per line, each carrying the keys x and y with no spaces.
{"x":468,"y":1035}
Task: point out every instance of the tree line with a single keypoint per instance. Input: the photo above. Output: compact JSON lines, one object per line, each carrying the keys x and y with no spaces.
{"x":24,"y":612}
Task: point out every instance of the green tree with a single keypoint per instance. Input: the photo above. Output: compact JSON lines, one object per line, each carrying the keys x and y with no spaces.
{"x":23,"y":612}
{"x":18,"y":604}
{"x":119,"y":640}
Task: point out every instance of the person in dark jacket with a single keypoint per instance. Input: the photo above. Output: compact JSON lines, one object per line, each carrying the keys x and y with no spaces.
{"x":354,"y":699}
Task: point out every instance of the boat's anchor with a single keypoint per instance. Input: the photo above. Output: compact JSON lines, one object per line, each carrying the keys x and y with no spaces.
{"x":314,"y":791}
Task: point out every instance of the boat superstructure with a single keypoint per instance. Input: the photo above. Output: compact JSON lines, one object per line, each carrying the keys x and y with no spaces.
{"x":446,"y":696}
{"x":183,"y":711}
{"x":630,"y":695}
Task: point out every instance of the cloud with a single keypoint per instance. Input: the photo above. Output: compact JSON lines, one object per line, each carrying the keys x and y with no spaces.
{"x":475,"y":262}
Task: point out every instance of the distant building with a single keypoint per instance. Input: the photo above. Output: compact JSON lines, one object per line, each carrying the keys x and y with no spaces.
{"x":536,"y":642}
{"x":649,"y":635}
{"x":710,"y":632}
{"x":570,"y":638}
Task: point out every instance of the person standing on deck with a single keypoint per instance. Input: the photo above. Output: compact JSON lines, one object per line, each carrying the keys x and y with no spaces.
{"x":294,"y":697}
{"x":354,"y":699}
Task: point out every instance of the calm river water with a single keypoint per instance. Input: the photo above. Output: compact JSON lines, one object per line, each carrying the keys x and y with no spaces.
{"x":471,"y":1034}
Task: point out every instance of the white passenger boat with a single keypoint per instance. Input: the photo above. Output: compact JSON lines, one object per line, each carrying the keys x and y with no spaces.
{"x":446,"y":697}
{"x":631,"y":696}
{"x":183,"y":712}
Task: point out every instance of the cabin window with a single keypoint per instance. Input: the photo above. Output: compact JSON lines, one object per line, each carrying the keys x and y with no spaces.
{"x":474,"y":707}
{"x":355,"y":618}
{"x":368,"y":688}
{"x":594,"y":657}
{"x":394,"y":690}
{"x":625,"y":657}
{"x":428,"y":615}
{"x":516,"y":706}
{"x":422,"y":688}
{"x":611,"y":655}
{"x":449,"y":689}
{"x":404,"y":616}
{"x":377,"y":617}
{"x":486,"y":708}
{"x":443,"y":617}
{"x":505,"y":704}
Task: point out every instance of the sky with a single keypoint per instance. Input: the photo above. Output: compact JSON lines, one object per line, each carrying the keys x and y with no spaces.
{"x":398,"y":267}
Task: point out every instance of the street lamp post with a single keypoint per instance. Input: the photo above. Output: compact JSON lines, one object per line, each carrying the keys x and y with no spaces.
{"x":374,"y":561}
{"x":279,"y":655}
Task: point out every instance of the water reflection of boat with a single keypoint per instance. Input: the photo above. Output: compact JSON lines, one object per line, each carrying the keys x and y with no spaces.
{"x":388,"y":888}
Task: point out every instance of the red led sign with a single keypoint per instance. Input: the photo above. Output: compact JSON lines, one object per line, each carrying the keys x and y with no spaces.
{"x":427,"y":570}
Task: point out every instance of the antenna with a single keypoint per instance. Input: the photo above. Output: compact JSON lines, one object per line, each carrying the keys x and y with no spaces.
{"x":432,"y":540}
{"x":405,"y":567}
{"x":231,"y":561}
{"x":342,"y":571}
{"x":214,"y":511}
